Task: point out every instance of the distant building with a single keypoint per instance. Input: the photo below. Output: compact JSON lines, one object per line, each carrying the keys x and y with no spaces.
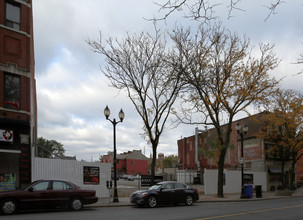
{"x":256,"y":153}
{"x":160,"y":156}
{"x":18,"y":106}
{"x":159,"y":163}
{"x":129,"y":163}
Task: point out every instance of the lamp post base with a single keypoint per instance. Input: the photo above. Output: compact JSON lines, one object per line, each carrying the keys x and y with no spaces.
{"x":115,"y":198}
{"x":243,"y":196}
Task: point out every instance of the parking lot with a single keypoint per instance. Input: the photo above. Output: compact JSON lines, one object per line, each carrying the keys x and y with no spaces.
{"x":126,"y":187}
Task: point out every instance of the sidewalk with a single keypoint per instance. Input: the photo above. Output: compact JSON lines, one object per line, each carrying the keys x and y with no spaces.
{"x":124,"y":201}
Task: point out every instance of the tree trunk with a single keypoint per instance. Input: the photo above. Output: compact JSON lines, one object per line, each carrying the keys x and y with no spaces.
{"x":292,"y":174}
{"x":153,"y":165}
{"x":220,"y":173}
{"x":282,"y":174}
{"x":293,"y":167}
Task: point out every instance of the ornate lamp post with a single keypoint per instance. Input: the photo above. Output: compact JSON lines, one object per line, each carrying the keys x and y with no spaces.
{"x":114,"y":122}
{"x":242,"y":130}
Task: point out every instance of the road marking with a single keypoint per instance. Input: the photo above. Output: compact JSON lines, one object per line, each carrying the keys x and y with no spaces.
{"x":250,"y":212}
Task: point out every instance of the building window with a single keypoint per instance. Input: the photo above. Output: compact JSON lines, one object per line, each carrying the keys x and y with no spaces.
{"x":12,"y":15}
{"x":11,"y":92}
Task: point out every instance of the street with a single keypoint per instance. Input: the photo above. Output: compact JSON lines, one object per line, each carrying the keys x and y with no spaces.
{"x":286,"y":208}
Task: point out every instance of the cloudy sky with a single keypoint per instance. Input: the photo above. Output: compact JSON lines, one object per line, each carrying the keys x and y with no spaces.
{"x":72,"y":92}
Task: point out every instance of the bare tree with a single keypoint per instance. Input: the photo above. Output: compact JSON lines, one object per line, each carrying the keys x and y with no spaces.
{"x":300,"y":61}
{"x":205,"y":9}
{"x":138,"y":64}
{"x":222,"y":78}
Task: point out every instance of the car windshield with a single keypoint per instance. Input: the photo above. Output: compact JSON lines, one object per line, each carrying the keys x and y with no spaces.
{"x":157,"y":186}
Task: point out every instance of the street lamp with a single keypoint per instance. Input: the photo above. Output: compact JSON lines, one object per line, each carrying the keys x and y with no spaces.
{"x":114,"y":122}
{"x":242,"y":130}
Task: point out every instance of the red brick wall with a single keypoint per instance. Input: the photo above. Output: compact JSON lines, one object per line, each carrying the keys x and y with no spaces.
{"x":186,"y":148}
{"x":14,"y":49}
{"x":17,"y":57}
{"x":1,"y":86}
{"x":133,"y":167}
{"x":121,"y":166}
{"x":186,"y":153}
{"x":17,"y":48}
{"x":2,"y":11}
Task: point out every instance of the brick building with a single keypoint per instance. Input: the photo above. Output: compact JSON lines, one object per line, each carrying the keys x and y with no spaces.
{"x":18,"y":109}
{"x":256,"y":153}
{"x":129,"y":163}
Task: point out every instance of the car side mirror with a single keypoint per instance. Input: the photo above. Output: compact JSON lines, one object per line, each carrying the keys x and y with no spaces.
{"x":30,"y":189}
{"x":161,"y":189}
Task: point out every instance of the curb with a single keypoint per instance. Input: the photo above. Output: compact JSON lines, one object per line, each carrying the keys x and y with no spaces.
{"x":123,"y":204}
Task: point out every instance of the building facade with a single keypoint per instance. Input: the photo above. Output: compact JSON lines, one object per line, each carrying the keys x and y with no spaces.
{"x":129,"y":163}
{"x":18,"y":108}
{"x":257,"y":156}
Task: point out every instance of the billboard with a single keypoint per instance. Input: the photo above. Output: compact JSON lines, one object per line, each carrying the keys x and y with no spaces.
{"x":91,"y":175}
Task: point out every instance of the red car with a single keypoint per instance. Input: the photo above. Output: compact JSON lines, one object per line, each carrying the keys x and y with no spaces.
{"x":46,"y":194}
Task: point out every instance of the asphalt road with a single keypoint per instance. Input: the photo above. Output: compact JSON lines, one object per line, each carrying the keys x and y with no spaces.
{"x":286,"y":208}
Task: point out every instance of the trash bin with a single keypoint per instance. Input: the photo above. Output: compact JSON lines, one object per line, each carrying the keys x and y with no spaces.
{"x":248,"y":191}
{"x":258,"y":189}
{"x":197,"y":180}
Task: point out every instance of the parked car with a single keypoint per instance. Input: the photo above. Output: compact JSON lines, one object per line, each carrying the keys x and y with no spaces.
{"x":46,"y":194}
{"x":123,"y":176}
{"x":167,"y":192}
{"x":130,"y":177}
{"x":117,"y":176}
{"x":127,"y":177}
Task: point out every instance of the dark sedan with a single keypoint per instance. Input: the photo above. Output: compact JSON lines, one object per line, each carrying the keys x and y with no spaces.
{"x":46,"y":194}
{"x":168,"y":192}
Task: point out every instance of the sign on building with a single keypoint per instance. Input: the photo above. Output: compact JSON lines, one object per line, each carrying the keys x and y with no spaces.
{"x":7,"y":181}
{"x":6,"y":135}
{"x":146,"y":180}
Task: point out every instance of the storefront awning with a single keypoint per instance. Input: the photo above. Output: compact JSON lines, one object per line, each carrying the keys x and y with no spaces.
{"x":10,"y":151}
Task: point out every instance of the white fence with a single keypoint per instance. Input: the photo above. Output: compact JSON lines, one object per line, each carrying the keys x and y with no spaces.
{"x":186,"y":176}
{"x":232,"y":181}
{"x":43,"y":168}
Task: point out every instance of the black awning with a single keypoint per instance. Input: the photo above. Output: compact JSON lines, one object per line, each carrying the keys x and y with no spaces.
{"x":274,"y":170}
{"x":9,"y":122}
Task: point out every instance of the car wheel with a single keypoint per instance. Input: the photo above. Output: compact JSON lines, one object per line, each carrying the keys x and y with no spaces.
{"x":8,"y":206}
{"x":76,"y":204}
{"x":189,"y":200}
{"x":152,"y":202}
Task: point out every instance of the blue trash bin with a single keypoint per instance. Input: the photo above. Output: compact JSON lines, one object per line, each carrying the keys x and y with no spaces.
{"x":248,"y":191}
